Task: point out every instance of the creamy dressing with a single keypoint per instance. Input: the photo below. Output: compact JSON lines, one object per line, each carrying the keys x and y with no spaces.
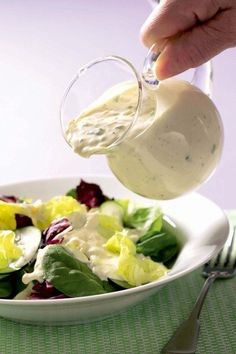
{"x":173,"y":147}
{"x":103,"y":122}
{"x":38,"y":273}
{"x":88,"y":246}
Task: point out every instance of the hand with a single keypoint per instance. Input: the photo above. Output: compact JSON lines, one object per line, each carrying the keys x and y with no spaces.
{"x":189,"y":33}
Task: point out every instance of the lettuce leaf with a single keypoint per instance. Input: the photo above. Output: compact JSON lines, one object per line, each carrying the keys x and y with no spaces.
{"x":145,"y":218}
{"x":160,"y":246}
{"x":116,"y":242}
{"x":70,"y":276}
{"x":108,"y":225}
{"x":56,"y":227}
{"x":41,"y":214}
{"x":9,"y":198}
{"x":89,"y":194}
{"x":7,"y":215}
{"x":133,"y":268}
{"x":9,"y":251}
{"x":62,"y":206}
{"x":6,"y":286}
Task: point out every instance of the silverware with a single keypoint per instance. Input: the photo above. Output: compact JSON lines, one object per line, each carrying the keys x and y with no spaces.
{"x":184,"y":340}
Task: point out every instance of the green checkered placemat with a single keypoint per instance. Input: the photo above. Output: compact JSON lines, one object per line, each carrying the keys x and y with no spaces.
{"x":142,"y":329}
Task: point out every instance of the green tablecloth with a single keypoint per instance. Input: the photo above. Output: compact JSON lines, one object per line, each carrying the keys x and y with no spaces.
{"x":142,"y":329}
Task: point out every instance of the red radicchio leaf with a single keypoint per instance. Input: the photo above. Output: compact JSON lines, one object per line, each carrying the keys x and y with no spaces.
{"x":22,"y":221}
{"x":9,"y":198}
{"x":45,"y":290}
{"x":90,"y":194}
{"x":55,"y":228}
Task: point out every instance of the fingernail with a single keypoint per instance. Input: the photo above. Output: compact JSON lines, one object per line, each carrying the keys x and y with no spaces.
{"x":163,"y":68}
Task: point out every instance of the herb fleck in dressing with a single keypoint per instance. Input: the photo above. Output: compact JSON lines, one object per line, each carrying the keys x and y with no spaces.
{"x":172,"y":148}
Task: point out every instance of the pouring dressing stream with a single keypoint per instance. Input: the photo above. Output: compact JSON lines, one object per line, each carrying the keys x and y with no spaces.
{"x":161,"y":139}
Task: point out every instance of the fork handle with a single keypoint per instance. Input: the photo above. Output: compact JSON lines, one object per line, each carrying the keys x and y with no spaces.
{"x":184,"y":340}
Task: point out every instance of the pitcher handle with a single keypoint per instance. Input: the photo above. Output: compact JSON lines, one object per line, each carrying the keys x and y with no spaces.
{"x":203,"y":78}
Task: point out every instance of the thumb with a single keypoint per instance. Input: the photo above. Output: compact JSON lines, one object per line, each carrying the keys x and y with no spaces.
{"x":196,"y":46}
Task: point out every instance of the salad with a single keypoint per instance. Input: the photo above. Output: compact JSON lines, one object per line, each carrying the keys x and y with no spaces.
{"x":79,"y":244}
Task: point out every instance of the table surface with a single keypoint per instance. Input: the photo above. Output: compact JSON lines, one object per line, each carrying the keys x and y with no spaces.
{"x":42,"y":44}
{"x":142,"y":329}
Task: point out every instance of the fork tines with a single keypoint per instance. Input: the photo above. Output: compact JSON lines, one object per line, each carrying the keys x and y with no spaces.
{"x":226,"y":259}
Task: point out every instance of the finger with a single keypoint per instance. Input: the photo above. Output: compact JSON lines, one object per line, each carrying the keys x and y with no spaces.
{"x":198,"y":45}
{"x":175,"y":17}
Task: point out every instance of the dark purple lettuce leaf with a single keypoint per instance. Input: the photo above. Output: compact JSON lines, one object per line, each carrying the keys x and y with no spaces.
{"x":22,"y":221}
{"x":9,"y":199}
{"x":55,"y":228}
{"x":90,"y":194}
{"x":45,"y":290}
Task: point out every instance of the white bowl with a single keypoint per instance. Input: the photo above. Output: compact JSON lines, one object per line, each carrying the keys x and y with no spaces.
{"x":202,"y":228}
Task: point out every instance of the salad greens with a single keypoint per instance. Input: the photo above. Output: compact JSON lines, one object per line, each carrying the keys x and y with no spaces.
{"x":11,"y":283}
{"x":69,"y":275}
{"x":136,"y":217}
{"x":5,"y":286}
{"x":108,"y":225}
{"x":133,"y":269}
{"x":160,"y":246}
{"x":141,"y":218}
{"x":89,"y":194}
{"x":79,"y":244}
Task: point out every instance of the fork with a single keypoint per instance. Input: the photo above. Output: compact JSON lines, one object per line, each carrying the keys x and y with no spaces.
{"x":184,"y":340}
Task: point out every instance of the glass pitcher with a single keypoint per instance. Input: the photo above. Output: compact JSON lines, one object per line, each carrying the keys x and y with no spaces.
{"x":172,"y":151}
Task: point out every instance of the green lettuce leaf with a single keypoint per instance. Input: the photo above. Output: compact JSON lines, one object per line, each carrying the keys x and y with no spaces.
{"x":145,"y":218}
{"x":133,"y":268}
{"x":160,"y":246}
{"x":108,"y":225}
{"x":6,"y":286}
{"x":70,"y":276}
{"x":7,"y":214}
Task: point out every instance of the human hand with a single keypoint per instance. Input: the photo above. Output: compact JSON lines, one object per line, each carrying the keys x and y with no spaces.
{"x":189,"y":33}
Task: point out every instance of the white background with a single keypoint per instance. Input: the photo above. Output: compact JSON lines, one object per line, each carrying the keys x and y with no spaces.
{"x":42,"y":44}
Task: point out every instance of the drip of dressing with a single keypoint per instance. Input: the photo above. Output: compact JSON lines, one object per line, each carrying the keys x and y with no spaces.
{"x":173,"y":147}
